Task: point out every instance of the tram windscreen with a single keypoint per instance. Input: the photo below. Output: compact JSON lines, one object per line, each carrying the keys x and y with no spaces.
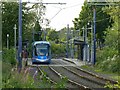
{"x":42,"y":49}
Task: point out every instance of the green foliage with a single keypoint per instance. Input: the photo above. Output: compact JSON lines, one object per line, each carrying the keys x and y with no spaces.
{"x":13,"y":79}
{"x":62,"y":83}
{"x":111,"y":39}
{"x":58,"y":49}
{"x":10,"y":18}
{"x":38,"y":31}
{"x":108,"y":58}
{"x":103,"y":21}
{"x":63,"y":35}
{"x":115,"y":86}
{"x":52,"y":35}
{"x":44,"y":81}
{"x":6,"y":69}
{"x":9,"y":56}
{"x":10,"y":15}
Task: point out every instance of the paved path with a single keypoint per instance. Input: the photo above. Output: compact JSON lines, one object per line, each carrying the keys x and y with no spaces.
{"x":75,"y":61}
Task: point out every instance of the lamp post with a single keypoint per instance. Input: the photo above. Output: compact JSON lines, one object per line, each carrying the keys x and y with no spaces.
{"x":7,"y":41}
{"x":85,"y":43}
{"x":15,"y":39}
{"x":72,"y":53}
{"x":88,"y":47}
{"x":68,"y":37}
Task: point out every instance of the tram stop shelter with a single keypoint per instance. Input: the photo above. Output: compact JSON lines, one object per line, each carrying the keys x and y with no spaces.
{"x":80,"y":46}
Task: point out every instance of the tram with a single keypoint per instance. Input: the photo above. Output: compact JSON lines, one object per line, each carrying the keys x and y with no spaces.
{"x":41,"y":52}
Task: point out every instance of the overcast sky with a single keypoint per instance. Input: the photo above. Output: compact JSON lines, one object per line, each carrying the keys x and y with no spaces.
{"x":61,"y":15}
{"x":66,"y":14}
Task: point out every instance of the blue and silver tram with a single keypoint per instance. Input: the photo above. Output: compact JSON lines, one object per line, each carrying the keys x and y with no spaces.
{"x":41,"y":52}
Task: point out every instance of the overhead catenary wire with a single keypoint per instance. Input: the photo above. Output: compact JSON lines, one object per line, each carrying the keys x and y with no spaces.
{"x":64,"y":9}
{"x":116,"y":13}
{"x":56,"y":14}
{"x":75,"y":6}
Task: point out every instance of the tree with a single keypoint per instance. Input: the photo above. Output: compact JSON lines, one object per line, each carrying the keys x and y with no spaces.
{"x":103,"y":21}
{"x":39,"y":10}
{"x":63,"y":34}
{"x":53,"y":35}
{"x":38,"y":31}
{"x":10,"y":18}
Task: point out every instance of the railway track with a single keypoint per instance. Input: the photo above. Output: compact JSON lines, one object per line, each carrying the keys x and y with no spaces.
{"x":80,"y":78}
{"x":53,"y":82}
{"x":92,"y":75}
{"x":76,"y":77}
{"x":55,"y":76}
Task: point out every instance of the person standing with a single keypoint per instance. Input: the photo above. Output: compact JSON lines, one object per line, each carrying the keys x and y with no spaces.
{"x":25,"y":57}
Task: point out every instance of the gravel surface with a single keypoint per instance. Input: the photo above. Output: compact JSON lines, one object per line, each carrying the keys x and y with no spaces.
{"x":107,"y":76}
{"x":76,"y":78}
{"x":86,"y":75}
{"x":52,"y":75}
{"x":61,"y":62}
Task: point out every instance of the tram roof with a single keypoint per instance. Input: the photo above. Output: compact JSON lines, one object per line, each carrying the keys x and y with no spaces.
{"x":41,"y":42}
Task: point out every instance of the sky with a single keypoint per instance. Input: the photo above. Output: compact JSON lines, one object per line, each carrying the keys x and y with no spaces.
{"x":61,"y":15}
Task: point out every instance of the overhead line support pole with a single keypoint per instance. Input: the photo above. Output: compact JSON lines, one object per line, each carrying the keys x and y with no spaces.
{"x":94,"y":36}
{"x":20,"y":37}
{"x":15,"y":39}
{"x":67,"y":41}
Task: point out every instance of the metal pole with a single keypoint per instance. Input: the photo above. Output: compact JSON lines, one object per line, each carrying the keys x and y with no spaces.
{"x":7,"y":41}
{"x":67,"y":48}
{"x":86,"y":44}
{"x":94,"y":36}
{"x":15,"y":39}
{"x":33,"y":34}
{"x":91,"y":43}
{"x":72,"y":45}
{"x":20,"y":37}
{"x":84,"y":49}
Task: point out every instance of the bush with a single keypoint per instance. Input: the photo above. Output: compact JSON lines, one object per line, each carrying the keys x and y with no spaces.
{"x":108,"y":60}
{"x":9,"y":56}
{"x":115,"y":86}
{"x":108,"y":57}
{"x":58,"y":49}
{"x":13,"y":79}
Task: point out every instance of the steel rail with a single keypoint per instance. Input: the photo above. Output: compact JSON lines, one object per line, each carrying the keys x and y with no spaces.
{"x":97,"y":76}
{"x":71,"y":81}
{"x":87,"y":86}
{"x":46,"y":77}
{"x":57,"y":75}
{"x":102,"y":84}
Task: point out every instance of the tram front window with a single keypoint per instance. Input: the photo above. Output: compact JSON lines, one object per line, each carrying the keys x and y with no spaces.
{"x":42,"y":52}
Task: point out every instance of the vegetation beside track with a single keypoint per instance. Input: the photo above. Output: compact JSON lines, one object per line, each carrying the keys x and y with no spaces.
{"x":107,"y":59}
{"x":114,"y":76}
{"x":11,"y":78}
